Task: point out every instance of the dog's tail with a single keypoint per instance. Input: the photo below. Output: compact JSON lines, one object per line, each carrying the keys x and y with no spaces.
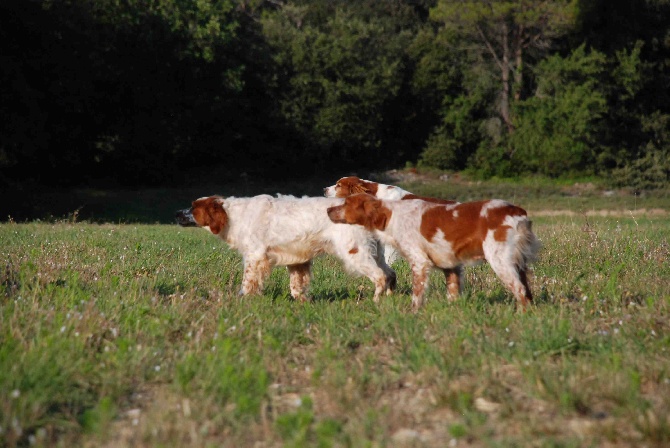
{"x":528,"y":246}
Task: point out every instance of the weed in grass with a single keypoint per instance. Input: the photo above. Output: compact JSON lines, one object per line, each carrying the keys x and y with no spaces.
{"x":98,"y":418}
{"x":301,"y":428}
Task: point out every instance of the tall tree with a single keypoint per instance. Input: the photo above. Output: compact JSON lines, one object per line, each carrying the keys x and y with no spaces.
{"x":560,"y":126}
{"x":337,"y":73}
{"x":508,"y":34}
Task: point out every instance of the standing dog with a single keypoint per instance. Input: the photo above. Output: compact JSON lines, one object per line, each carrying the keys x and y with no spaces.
{"x":448,"y":237}
{"x":351,"y":185}
{"x":287,"y":231}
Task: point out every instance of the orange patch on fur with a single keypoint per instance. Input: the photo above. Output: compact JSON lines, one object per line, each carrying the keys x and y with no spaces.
{"x":208,"y":212}
{"x":367,"y":211}
{"x":353,"y":251}
{"x":500,"y":234}
{"x":465,"y":228}
{"x":348,"y":186}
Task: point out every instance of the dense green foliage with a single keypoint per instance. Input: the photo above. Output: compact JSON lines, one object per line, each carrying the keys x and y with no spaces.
{"x":149,"y":91}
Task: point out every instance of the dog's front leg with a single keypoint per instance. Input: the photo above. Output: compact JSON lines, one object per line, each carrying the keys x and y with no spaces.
{"x":256,"y":270}
{"x":420,"y":271}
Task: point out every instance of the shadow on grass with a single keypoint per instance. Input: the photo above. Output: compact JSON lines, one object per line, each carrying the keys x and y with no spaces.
{"x":499,"y":296}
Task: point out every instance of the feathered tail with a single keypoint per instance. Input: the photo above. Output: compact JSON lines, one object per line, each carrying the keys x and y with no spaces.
{"x":528,"y":246}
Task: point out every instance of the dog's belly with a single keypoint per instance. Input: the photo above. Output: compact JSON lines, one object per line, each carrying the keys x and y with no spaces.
{"x":443,"y":258}
{"x":441,"y":253}
{"x":298,"y":252}
{"x":447,"y":254}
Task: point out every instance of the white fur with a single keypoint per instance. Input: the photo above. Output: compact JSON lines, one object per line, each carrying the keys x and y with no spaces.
{"x":289,"y":231}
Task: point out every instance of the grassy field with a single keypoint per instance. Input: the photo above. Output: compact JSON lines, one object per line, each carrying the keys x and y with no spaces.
{"x":132,"y":335}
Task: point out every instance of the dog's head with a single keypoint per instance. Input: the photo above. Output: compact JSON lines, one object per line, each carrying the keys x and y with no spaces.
{"x":348,"y":186}
{"x":361,"y":209}
{"x":207,"y":212}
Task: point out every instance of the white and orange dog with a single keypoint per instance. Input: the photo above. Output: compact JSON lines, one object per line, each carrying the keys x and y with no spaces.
{"x":287,"y":231}
{"x":448,"y":237}
{"x":351,"y":185}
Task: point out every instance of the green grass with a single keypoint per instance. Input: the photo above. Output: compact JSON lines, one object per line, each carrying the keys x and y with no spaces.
{"x":133,"y":335}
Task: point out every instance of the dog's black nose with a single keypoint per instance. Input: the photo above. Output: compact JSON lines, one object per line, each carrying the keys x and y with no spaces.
{"x":184,"y":218}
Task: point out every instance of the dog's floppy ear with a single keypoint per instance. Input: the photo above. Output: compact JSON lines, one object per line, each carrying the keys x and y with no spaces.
{"x":369,"y":205}
{"x":358,"y":187}
{"x":218,"y":218}
{"x":381,"y":218}
{"x":377,"y":214}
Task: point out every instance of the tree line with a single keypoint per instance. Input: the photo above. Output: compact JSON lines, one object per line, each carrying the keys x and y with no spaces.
{"x":137,"y":92}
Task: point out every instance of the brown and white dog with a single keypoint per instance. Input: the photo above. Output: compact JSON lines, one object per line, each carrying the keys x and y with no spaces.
{"x":287,"y":231}
{"x":448,"y":237}
{"x":351,"y":185}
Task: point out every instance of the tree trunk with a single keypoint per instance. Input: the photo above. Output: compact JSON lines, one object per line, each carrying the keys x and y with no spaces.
{"x":505,"y":68}
{"x":518,"y":65}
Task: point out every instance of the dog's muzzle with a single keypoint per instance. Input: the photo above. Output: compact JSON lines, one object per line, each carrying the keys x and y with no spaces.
{"x":185,"y":218}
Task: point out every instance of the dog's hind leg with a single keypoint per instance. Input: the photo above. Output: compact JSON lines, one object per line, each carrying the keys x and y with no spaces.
{"x":453,"y":277}
{"x":380,"y":256}
{"x":299,"y":279}
{"x":508,"y":259}
{"x":516,"y":281}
